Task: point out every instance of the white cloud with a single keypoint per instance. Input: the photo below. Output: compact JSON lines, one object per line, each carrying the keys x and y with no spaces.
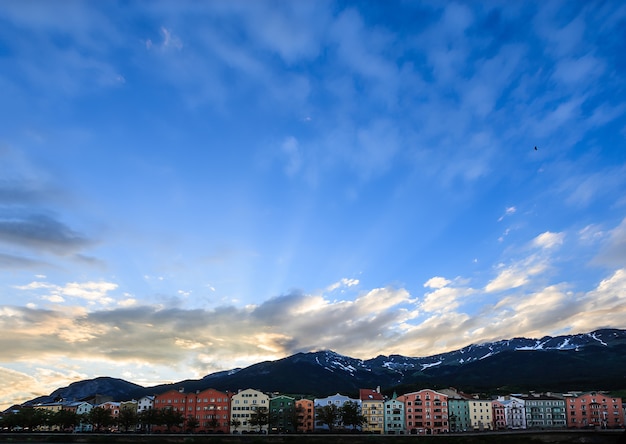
{"x":344,"y":282}
{"x":548,"y":240}
{"x":93,"y":292}
{"x":507,"y":212}
{"x":436,"y":282}
{"x":445,"y":299}
{"x":517,"y":274}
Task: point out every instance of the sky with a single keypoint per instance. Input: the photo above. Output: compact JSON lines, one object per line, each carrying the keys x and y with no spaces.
{"x":190,"y":187}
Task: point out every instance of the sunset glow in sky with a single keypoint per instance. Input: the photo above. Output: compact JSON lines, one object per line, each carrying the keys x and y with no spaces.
{"x":189,"y":187}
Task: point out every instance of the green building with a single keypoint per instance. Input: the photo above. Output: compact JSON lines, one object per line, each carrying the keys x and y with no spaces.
{"x":283,"y":418}
{"x":458,"y":411}
{"x":544,"y":411}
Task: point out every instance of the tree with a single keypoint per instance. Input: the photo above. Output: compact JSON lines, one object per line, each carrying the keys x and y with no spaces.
{"x":259,"y":418}
{"x":171,"y":418}
{"x":149,"y":418}
{"x":99,"y":417}
{"x":192,"y":423}
{"x":235,"y":423}
{"x":329,"y":415}
{"x":65,"y":419}
{"x":351,"y":414}
{"x":214,"y":423}
{"x":127,"y":418}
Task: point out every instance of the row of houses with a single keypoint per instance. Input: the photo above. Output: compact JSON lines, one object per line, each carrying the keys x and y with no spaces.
{"x":425,"y":411}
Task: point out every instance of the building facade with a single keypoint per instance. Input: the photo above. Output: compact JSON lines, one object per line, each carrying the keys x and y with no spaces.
{"x":212,"y":410}
{"x":594,"y":410}
{"x":499,"y":415}
{"x":373,"y":410}
{"x":305,"y":410}
{"x":481,"y":414}
{"x":514,"y":412}
{"x":458,"y":410}
{"x":338,"y":401}
{"x":426,"y":412}
{"x":145,"y":403}
{"x":244,"y":405}
{"x":544,"y":411}
{"x":394,"y":416}
{"x":283,"y":417}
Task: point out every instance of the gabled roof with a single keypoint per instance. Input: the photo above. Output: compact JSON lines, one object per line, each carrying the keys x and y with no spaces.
{"x":370,"y":395}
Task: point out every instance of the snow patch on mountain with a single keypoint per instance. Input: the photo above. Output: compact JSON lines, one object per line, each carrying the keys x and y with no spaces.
{"x":432,"y":364}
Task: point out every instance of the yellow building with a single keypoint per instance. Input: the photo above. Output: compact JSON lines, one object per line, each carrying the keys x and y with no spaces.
{"x":373,"y":410}
{"x":481,"y":414}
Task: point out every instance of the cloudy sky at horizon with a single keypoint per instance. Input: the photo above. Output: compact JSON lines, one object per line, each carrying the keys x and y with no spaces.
{"x":189,"y":187}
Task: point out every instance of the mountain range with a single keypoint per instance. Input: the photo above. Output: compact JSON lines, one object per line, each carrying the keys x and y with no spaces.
{"x":589,"y":361}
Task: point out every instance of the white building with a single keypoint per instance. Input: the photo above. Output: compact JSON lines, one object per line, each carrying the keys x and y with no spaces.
{"x":514,"y":412}
{"x":336,"y":400}
{"x":145,"y":403}
{"x":243,"y":405}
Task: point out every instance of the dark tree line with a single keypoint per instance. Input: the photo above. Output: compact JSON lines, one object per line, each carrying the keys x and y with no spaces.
{"x":100,"y":419}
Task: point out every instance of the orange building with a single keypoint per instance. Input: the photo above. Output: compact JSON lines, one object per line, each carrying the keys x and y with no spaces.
{"x":426,"y":412}
{"x":593,"y":410}
{"x":305,"y":409}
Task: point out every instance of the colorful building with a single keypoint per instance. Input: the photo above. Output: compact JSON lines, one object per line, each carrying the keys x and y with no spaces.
{"x":305,"y":411}
{"x":338,"y":401}
{"x":394,"y":416}
{"x":594,"y":410}
{"x":458,"y":410}
{"x":514,"y":412}
{"x":481,"y":414}
{"x":373,"y":410}
{"x":499,"y":415}
{"x":244,"y":405}
{"x":283,"y":417}
{"x":212,"y":410}
{"x":544,"y":411}
{"x":426,"y":412}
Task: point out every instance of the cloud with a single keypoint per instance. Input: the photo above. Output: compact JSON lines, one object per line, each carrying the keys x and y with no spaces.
{"x":388,"y":319}
{"x":445,"y":298}
{"x":41,"y":232}
{"x":92,"y":292}
{"x":613,"y":250}
{"x":548,"y":240}
{"x":507,"y":212}
{"x":517,"y":274}
{"x":344,"y":282}
{"x":10,"y":261}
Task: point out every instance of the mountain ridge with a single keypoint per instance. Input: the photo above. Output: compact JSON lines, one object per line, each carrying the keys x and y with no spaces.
{"x":476,"y":366}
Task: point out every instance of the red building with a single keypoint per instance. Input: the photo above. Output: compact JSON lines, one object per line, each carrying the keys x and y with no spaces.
{"x":593,"y":409}
{"x":210,"y":408}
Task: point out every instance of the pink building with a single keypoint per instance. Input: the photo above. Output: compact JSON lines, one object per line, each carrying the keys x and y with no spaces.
{"x":426,"y":412}
{"x":499,"y":415}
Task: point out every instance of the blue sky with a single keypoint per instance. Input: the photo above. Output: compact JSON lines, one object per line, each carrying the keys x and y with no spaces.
{"x":187,"y":187}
